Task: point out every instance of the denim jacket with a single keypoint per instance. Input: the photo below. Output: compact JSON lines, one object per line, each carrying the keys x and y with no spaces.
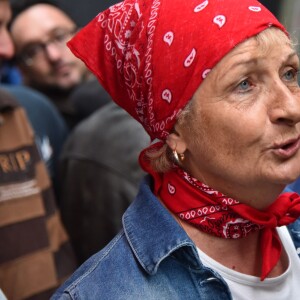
{"x":151,"y":258}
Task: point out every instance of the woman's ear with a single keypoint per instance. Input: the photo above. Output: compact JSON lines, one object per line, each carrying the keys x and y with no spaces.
{"x":176,"y":142}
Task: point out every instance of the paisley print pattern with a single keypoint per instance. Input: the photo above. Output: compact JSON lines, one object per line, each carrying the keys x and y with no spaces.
{"x":217,"y":214}
{"x":154,"y":54}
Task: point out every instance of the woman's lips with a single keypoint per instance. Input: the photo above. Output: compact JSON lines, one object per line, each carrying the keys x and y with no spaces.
{"x":288,"y":148}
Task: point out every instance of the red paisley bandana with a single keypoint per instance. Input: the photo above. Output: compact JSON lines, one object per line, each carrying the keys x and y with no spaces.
{"x":214,"y":213}
{"x":152,"y":55}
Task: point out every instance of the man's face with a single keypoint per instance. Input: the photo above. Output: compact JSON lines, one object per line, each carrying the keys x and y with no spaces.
{"x":40,"y":34}
{"x":6,"y":45}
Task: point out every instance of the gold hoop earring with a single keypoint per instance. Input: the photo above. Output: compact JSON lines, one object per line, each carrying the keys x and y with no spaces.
{"x":175,"y":155}
{"x":181,"y":157}
{"x":178,"y":157}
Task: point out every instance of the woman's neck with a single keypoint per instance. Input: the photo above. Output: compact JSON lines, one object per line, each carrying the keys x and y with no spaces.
{"x":241,"y":255}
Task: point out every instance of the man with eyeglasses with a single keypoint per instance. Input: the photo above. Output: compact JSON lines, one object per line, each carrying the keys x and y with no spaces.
{"x":40,"y":31}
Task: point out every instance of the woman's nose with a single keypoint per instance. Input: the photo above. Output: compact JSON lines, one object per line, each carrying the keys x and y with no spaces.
{"x":285,"y":104}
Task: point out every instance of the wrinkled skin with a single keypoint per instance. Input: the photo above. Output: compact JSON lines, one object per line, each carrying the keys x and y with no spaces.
{"x":243,"y":136}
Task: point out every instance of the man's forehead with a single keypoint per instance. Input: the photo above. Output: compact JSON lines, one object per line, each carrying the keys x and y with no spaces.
{"x":42,"y":14}
{"x":37,"y":22}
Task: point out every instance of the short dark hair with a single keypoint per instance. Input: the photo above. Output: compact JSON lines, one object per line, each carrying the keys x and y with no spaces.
{"x":18,"y":6}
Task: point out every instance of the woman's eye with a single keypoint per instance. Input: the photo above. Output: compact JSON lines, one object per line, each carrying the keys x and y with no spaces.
{"x":290,"y":75}
{"x":290,"y":78}
{"x":244,"y":86}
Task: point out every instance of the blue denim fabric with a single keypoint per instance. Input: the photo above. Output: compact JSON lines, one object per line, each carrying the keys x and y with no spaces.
{"x":293,"y":187}
{"x":294,"y":228}
{"x":152,"y":258}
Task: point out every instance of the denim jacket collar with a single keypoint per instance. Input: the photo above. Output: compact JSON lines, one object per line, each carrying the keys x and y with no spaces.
{"x":153,"y":233}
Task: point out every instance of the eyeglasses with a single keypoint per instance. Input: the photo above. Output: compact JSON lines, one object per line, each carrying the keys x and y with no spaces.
{"x":34,"y":52}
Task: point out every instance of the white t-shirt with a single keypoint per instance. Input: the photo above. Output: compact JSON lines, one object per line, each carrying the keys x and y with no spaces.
{"x":2,"y":296}
{"x":247,"y":287}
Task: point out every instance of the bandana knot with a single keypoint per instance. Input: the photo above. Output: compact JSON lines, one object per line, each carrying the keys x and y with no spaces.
{"x":217,"y":214}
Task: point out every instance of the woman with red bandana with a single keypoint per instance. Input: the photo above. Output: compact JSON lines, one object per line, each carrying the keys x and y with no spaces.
{"x":214,"y":83}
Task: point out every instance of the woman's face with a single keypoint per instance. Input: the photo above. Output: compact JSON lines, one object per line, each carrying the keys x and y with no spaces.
{"x":244,"y":134}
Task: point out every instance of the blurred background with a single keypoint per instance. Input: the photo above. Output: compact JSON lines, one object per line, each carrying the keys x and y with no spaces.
{"x":82,"y":11}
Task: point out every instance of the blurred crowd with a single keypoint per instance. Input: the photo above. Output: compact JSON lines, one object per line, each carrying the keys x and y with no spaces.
{"x":68,"y":155}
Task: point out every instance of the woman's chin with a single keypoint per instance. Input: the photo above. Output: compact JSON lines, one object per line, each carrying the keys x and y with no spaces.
{"x":288,"y":178}
{"x":286,"y":173}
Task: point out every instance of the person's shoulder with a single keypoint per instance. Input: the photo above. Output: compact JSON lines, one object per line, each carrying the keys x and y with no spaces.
{"x":33,"y":100}
{"x":108,"y":116}
{"x":43,"y":115}
{"x":103,"y":274}
{"x":30,"y":98}
{"x":7,"y":101}
{"x":109,"y":125}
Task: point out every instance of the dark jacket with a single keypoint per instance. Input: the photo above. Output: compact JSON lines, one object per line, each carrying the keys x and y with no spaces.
{"x":100,"y":176}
